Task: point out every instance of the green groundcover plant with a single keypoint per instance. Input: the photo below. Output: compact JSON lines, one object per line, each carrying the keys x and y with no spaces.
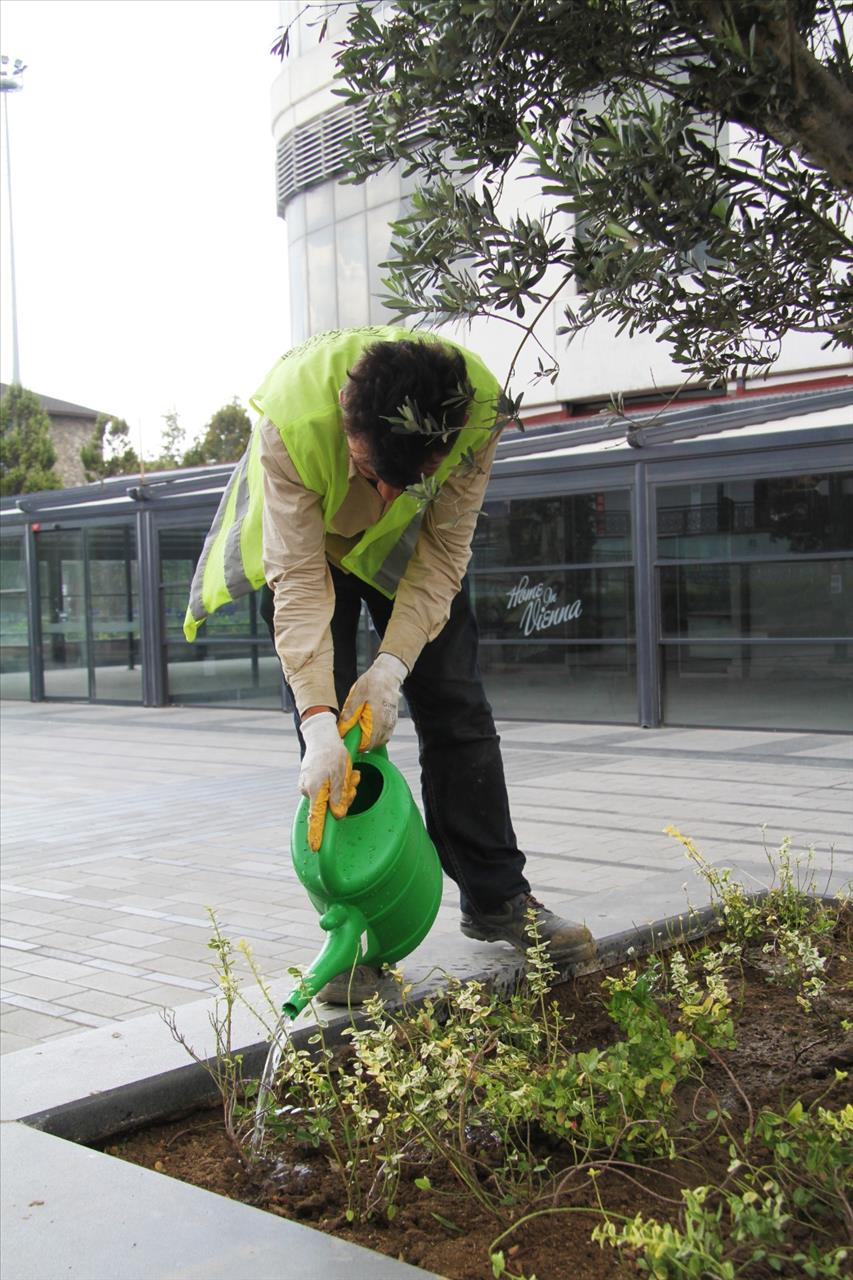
{"x":492,"y":1087}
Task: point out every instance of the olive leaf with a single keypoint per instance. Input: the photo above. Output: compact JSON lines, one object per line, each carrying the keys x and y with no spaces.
{"x":694,"y":159}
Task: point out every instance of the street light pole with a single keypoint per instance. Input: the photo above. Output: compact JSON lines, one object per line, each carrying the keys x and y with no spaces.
{"x":11,"y":74}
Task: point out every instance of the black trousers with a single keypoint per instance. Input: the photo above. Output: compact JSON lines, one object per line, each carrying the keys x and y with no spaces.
{"x":462,"y":778}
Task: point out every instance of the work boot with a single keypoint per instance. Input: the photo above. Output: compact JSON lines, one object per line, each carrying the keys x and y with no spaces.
{"x":566,"y":941}
{"x":352,"y":987}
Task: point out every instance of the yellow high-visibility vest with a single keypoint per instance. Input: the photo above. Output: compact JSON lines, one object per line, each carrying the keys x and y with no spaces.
{"x":300,"y":395}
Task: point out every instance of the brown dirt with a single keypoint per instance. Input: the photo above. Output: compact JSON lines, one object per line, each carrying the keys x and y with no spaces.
{"x":782,"y":1054}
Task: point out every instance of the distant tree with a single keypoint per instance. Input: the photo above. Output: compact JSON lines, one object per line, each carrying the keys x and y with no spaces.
{"x":194,"y":455}
{"x":171,"y":444}
{"x":109,"y":451}
{"x":27,"y":455}
{"x":698,"y":156}
{"x":225,"y":437}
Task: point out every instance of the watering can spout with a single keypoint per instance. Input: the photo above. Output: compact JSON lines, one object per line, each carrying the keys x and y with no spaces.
{"x":346,"y":927}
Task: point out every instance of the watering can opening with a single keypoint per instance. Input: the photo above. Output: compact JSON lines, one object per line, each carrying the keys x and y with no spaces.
{"x":369,"y":788}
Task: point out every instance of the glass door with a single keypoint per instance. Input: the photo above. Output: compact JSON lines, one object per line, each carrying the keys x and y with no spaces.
{"x":89,"y":602}
{"x":113,"y":592}
{"x":14,"y":621}
{"x":62,"y":592}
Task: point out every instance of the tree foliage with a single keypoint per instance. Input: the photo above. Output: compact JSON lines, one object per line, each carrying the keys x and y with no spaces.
{"x":225,"y":437}
{"x":108,"y":452}
{"x":27,"y":455}
{"x":698,"y":159}
{"x":171,"y":444}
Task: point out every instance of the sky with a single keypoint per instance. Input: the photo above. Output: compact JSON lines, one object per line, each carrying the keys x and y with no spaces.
{"x":150,"y":264}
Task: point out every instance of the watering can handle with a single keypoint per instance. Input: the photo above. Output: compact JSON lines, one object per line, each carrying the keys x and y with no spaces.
{"x":353,"y":737}
{"x":351,"y":741}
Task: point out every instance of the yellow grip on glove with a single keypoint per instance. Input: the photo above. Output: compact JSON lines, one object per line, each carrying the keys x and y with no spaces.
{"x":322,"y":802}
{"x":363,"y":717}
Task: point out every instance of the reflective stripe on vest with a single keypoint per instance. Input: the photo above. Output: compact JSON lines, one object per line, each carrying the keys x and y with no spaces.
{"x":236,"y":580}
{"x":388,"y":574}
{"x":197,"y":610}
{"x":230,"y":563}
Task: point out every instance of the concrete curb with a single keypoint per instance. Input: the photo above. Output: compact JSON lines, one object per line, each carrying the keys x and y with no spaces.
{"x":107,"y":1114}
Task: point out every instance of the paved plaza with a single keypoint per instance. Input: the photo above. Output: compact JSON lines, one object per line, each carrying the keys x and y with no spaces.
{"x":123,"y":826}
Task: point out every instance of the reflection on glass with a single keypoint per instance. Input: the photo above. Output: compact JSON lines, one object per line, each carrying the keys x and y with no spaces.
{"x":566,"y":529}
{"x":378,"y":250}
{"x":771,"y":599}
{"x":541,"y":681}
{"x":14,"y":624}
{"x":777,"y":515}
{"x":533,"y":604}
{"x":89,"y":601}
{"x":724,"y":674}
{"x":557,"y":604}
{"x":319,"y":206}
{"x":798,"y":686}
{"x":322,"y":298}
{"x":114,"y":613}
{"x":63,"y":613}
{"x":349,"y":199}
{"x":351,"y":240}
{"x":179,"y":552}
{"x":298,"y":290}
{"x":180,"y":549}
{"x":219,"y":674}
{"x":232,"y":659}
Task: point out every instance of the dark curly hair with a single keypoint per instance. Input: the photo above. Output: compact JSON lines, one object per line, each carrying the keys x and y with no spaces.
{"x":407,"y":401}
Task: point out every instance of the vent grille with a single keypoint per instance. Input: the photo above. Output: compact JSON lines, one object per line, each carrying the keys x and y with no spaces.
{"x":316,"y":151}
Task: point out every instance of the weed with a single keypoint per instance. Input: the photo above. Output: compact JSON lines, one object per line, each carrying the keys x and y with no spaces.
{"x":226,"y":1066}
{"x":790,"y":921}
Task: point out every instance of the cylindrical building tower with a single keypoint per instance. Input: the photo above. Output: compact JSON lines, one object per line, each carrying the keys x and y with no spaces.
{"x":337,"y":232}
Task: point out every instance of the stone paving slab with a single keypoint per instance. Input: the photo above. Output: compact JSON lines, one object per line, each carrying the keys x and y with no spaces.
{"x":122,"y":826}
{"x":143,"y":1226}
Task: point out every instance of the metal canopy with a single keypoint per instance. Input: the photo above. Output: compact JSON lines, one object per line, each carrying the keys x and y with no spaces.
{"x":669,"y":433}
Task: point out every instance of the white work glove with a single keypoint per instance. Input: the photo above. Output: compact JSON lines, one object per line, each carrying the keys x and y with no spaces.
{"x":373,"y":700}
{"x":326,"y":777}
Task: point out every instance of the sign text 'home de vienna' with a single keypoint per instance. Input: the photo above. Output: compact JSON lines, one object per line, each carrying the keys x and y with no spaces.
{"x":541,"y":609}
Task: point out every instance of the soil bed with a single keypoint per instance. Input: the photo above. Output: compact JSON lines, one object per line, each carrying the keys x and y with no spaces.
{"x":783,"y":1053}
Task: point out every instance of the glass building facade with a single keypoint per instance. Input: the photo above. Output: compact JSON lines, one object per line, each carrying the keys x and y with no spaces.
{"x":755,"y":586}
{"x":553,"y":587}
{"x":337,"y":234}
{"x":705,"y":583}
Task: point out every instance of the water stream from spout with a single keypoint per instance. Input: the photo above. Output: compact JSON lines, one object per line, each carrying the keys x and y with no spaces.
{"x":266,"y":1094}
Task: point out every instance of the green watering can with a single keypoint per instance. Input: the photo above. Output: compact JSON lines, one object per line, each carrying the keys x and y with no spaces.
{"x":376,"y":879}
